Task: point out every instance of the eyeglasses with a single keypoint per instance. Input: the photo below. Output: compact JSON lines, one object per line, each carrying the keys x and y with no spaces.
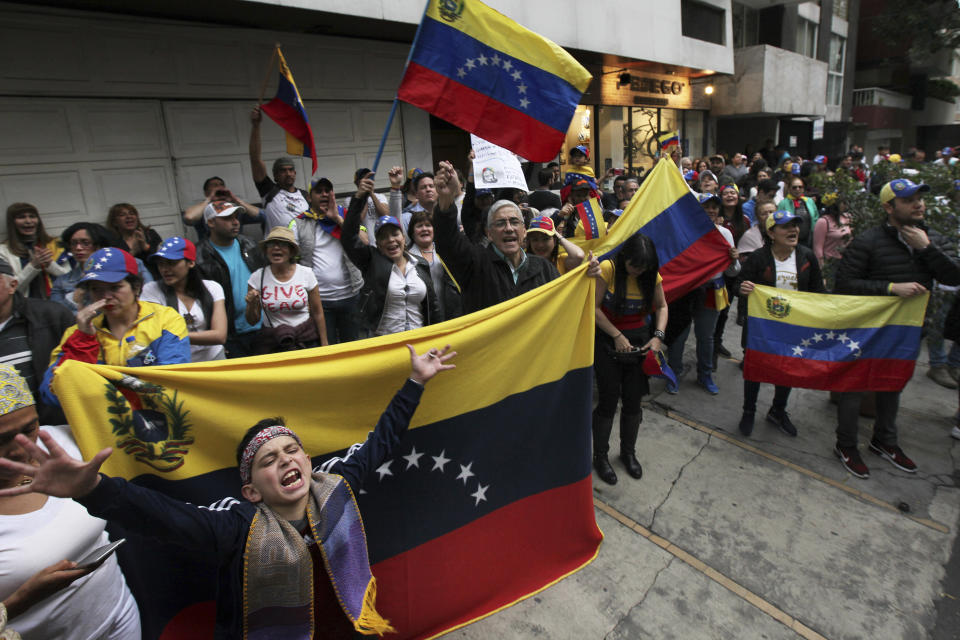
{"x":516,"y":223}
{"x":81,"y":242}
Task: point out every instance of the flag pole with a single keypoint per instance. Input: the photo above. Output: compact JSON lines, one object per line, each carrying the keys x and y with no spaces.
{"x":266,"y":76}
{"x":393,"y":107}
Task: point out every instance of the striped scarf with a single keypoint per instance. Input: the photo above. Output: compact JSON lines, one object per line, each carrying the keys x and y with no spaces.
{"x":278,"y":570}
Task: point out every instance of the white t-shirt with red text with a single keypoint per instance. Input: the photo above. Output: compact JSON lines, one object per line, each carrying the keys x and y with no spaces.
{"x":284,"y":303}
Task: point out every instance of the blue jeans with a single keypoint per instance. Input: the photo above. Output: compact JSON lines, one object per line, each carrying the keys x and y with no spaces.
{"x":704,"y":323}
{"x":935,"y":347}
{"x":342,"y":320}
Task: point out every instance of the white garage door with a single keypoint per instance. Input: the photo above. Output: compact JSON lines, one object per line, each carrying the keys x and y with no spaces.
{"x":74,"y":158}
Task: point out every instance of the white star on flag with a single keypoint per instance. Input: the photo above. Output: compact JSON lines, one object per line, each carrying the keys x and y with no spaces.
{"x":470,"y":64}
{"x":482,"y":59}
{"x":465,"y":473}
{"x":830,"y":335}
{"x":853,"y":345}
{"x":480,"y":494}
{"x":384,"y":469}
{"x":522,"y":88}
{"x":98,"y":266}
{"x":461,"y":73}
{"x":516,"y":75}
{"x":413,"y":458}
{"x":524,"y":103}
{"x":798,"y":351}
{"x":817,"y":337}
{"x":439,"y":462}
{"x":507,"y":65}
{"x":842,"y":337}
{"x":804,"y":343}
{"x":495,"y":60}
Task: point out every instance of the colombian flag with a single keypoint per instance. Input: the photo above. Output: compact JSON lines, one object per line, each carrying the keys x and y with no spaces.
{"x":485,"y":73}
{"x":832,"y":342}
{"x":689,"y":247}
{"x":287,"y":110}
{"x":485,"y":501}
{"x":592,"y":225}
{"x":668,"y":140}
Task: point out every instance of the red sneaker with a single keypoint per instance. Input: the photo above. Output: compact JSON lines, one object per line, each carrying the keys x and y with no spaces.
{"x":851,"y":461}
{"x":895,"y":455}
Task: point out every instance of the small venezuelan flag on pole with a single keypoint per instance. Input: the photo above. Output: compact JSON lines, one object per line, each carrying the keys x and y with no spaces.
{"x":287,"y":110}
{"x":591,"y":224}
{"x":484,"y":73}
{"x":670,"y":139}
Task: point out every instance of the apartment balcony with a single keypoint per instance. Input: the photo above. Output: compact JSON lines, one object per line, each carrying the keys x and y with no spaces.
{"x":879,"y":108}
{"x":769,"y":81}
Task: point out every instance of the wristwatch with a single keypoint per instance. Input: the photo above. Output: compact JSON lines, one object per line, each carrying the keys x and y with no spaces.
{"x":659,"y":334}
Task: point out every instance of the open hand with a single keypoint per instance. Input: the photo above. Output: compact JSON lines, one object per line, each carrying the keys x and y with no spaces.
{"x":56,"y":473}
{"x":430,"y":363}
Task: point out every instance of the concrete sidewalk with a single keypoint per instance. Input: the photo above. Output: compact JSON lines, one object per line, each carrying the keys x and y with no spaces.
{"x":766,"y":537}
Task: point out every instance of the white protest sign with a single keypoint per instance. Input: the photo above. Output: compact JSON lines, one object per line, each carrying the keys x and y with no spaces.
{"x":494,"y":167}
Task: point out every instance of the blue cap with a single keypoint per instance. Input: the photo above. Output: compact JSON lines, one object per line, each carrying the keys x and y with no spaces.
{"x":484,"y":192}
{"x":176,"y":248}
{"x":383,"y":221}
{"x":689,"y":174}
{"x":707,"y":197}
{"x":582,"y":149}
{"x":820,"y":159}
{"x":780,"y":216}
{"x":795,"y":168}
{"x":901,"y":188}
{"x":109,"y":265}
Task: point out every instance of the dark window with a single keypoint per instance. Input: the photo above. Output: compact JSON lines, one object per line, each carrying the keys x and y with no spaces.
{"x":702,"y":21}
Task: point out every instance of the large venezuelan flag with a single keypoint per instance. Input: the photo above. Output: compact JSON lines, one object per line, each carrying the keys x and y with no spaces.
{"x":483,"y":72}
{"x":487,"y":500}
{"x":832,"y":342}
{"x":689,"y":247}
{"x":287,"y":110}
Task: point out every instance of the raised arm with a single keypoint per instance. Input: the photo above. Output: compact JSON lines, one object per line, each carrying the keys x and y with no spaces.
{"x":380,"y":442}
{"x":456,"y":251}
{"x":256,"y":162}
{"x":359,"y":252}
{"x":148,"y":512}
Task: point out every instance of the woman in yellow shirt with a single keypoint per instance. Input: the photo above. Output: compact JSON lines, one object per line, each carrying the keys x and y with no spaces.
{"x":631,"y":292}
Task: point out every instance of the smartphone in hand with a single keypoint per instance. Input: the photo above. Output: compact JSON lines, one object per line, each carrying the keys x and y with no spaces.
{"x":96,"y":557}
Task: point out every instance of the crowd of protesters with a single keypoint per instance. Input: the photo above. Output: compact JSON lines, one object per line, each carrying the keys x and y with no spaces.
{"x":436,"y":247}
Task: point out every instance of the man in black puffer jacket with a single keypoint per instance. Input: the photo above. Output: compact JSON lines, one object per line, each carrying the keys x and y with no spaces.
{"x":900,"y":258}
{"x":492,"y":274}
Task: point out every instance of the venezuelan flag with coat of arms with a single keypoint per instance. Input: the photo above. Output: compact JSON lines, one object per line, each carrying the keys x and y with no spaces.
{"x":484,"y":73}
{"x":486,"y":500}
{"x":287,"y":110}
{"x":832,"y":342}
{"x":689,"y":247}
